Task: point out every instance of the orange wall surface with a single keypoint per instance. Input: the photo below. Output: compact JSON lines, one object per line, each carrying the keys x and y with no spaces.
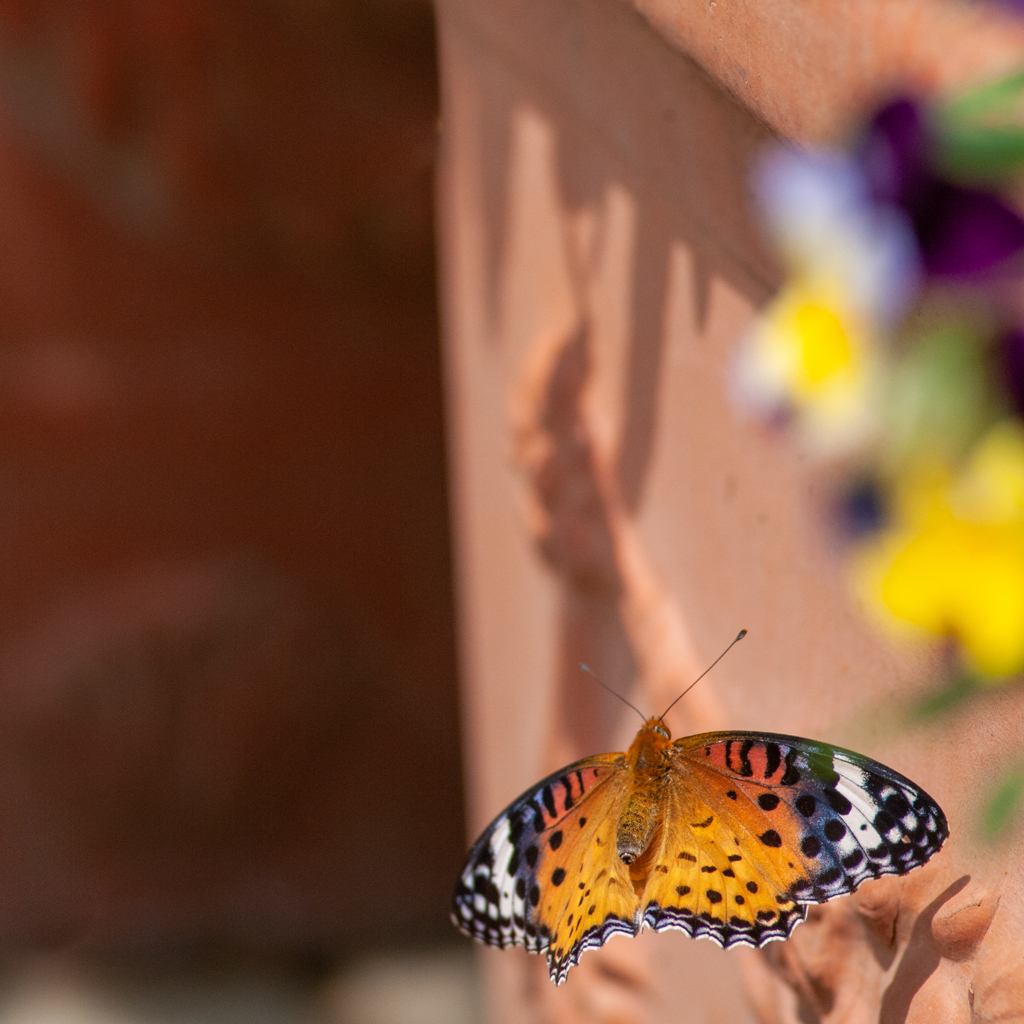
{"x":611,"y":505}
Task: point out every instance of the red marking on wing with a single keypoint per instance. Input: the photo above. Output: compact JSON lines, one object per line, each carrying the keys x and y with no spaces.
{"x":716,"y":756}
{"x":758,"y":758}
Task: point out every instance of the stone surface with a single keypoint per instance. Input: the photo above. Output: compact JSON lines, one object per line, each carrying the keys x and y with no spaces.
{"x":611,"y":506}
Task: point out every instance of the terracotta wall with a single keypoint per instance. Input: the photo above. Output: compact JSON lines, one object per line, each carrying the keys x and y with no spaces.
{"x":226,"y":652}
{"x":611,"y":506}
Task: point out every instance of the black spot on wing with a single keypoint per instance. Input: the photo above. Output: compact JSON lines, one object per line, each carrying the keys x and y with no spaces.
{"x":567,"y":786}
{"x":851,"y":860}
{"x":549,"y":801}
{"x":538,"y":816}
{"x":834,"y":830}
{"x":745,"y":767}
{"x":515,"y":829}
{"x":806,"y":804}
{"x":791,"y":776}
{"x":810,"y":846}
{"x":897,"y":804}
{"x":839,"y":803}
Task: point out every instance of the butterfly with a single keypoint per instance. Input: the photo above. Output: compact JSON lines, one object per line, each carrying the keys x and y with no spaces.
{"x":725,"y":835}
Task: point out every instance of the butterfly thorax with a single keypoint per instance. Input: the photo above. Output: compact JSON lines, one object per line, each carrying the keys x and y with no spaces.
{"x":648,"y":763}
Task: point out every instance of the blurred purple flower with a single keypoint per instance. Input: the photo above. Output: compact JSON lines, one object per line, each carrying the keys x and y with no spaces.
{"x":894,"y":154}
{"x":961,"y":231}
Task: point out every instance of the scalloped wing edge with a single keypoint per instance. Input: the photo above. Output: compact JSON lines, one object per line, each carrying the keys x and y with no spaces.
{"x":703,"y":926}
{"x":592,"y":938}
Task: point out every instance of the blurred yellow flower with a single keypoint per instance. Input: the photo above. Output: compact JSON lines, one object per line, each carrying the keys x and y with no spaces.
{"x":811,"y":355}
{"x":953,"y":563}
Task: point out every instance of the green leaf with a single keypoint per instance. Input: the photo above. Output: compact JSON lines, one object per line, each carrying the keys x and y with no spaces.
{"x":980,"y":135}
{"x":956,"y":691}
{"x":975,"y":153}
{"x":991,"y":97}
{"x":938,"y":400}
{"x":1003,"y":804}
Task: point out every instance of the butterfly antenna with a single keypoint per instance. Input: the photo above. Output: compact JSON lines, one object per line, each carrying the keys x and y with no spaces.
{"x":590,"y":671}
{"x":739,"y":636}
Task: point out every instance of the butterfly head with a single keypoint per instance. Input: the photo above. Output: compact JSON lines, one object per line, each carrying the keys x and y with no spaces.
{"x":650,"y":745}
{"x":658,"y":727}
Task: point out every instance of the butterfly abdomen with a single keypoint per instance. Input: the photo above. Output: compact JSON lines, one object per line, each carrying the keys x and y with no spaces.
{"x":637,"y":822}
{"x":648,"y":765}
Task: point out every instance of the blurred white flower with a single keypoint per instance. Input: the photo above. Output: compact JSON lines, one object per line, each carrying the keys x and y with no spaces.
{"x":814,"y":354}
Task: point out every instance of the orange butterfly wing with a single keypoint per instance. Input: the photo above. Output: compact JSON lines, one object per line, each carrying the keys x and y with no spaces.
{"x":706,"y":874}
{"x":780,"y":822}
{"x":545,"y":874}
{"x":586,"y":894}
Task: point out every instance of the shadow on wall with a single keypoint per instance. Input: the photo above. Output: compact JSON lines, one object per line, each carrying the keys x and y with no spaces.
{"x":227,"y":646}
{"x":613,"y":281}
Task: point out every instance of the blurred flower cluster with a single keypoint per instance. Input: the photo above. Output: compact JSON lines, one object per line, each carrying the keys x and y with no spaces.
{"x":896,"y":350}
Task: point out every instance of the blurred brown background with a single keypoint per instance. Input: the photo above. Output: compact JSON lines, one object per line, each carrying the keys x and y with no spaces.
{"x":227,"y":679}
